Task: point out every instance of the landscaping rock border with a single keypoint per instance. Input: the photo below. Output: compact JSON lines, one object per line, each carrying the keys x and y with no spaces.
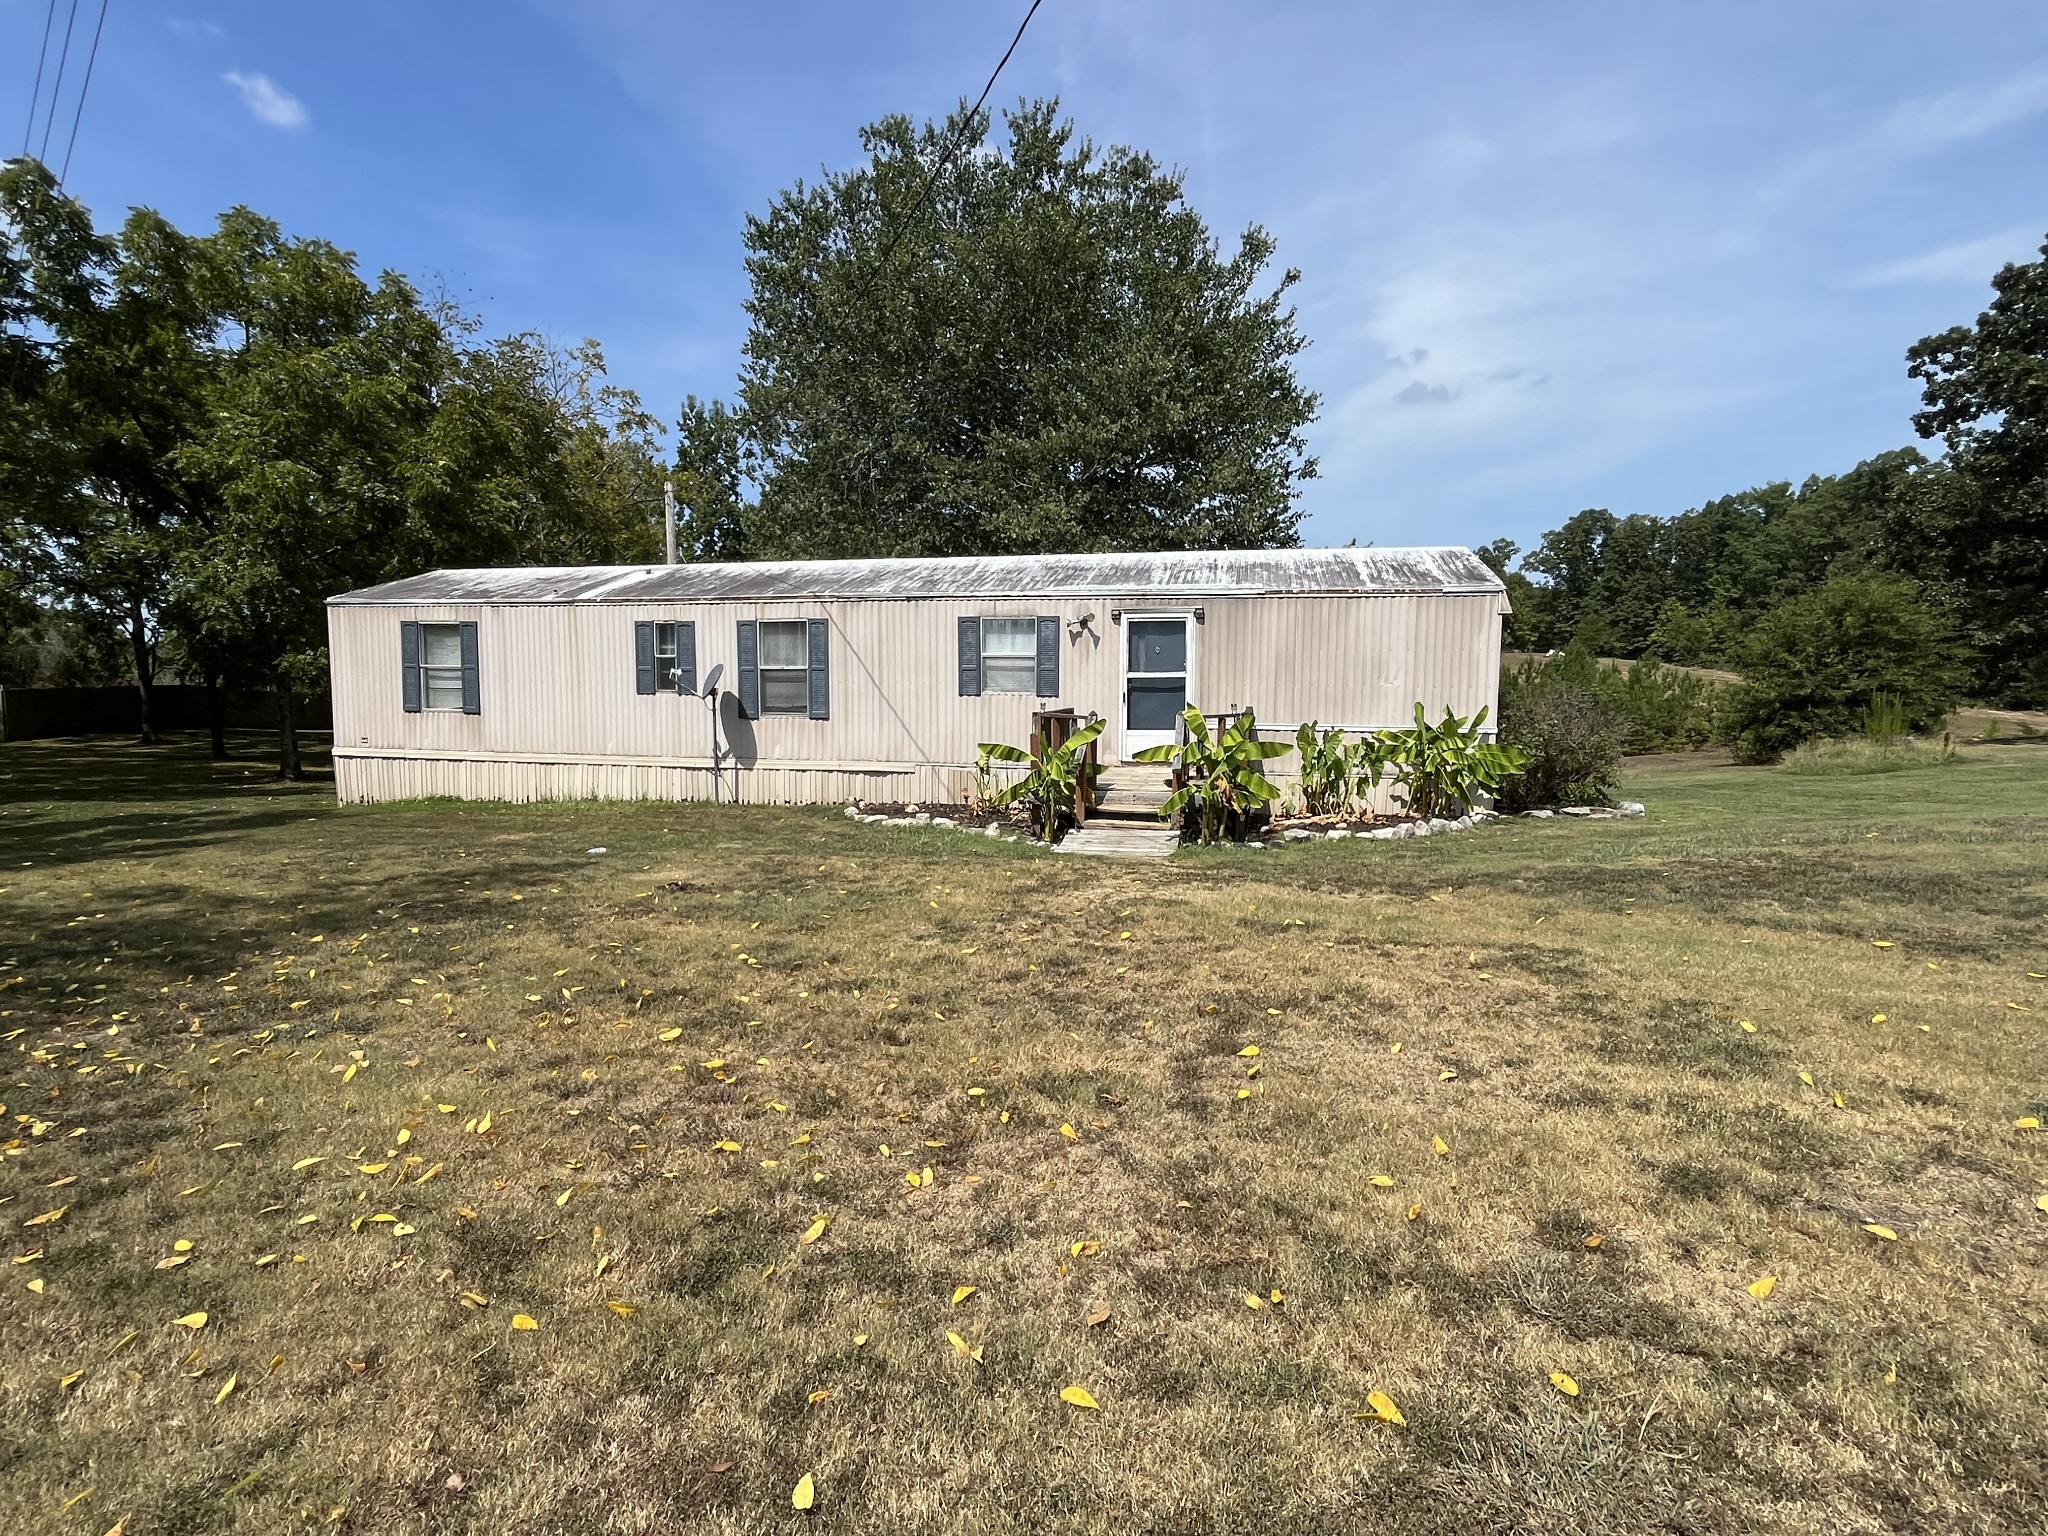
{"x":1010,"y":827}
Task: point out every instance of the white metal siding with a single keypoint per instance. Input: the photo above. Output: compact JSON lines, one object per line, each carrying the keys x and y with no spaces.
{"x":561,"y":719}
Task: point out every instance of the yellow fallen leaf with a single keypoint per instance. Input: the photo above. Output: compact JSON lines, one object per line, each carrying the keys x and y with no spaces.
{"x":1079,"y":1396}
{"x":818,"y":1396}
{"x":266,"y":1261}
{"x":1564,"y":1384}
{"x":524,"y":1323}
{"x":1880,"y":943}
{"x":670,"y":1034}
{"x":1806,"y":1078}
{"x":47,"y":1217}
{"x":1414,"y":1211}
{"x":2027,"y":1123}
{"x":1070,"y":1133}
{"x":1381,"y":1181}
{"x":306,"y":1162}
{"x":2041,"y":1201}
{"x":1877,"y":1230}
{"x":1877,"y":1018}
{"x":622,"y":1308}
{"x":1446,"y":1075}
{"x":1762,"y":1287}
{"x":805,"y":1494}
{"x":1442,"y":1147}
{"x":1250,"y":1050}
{"x":859,"y":1339}
{"x":1254,"y":1302}
{"x":961,"y":1293}
{"x":1382,"y":1408}
{"x":1746,"y":1027}
{"x":962,"y":1348}
{"x":725,"y":1146}
{"x":193,"y":1320}
{"x":226,"y":1387}
{"x":66,"y":1383}
{"x":815,"y":1230}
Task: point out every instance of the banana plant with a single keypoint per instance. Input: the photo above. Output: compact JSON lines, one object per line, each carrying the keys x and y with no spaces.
{"x":1052,"y":784}
{"x":1445,"y":767}
{"x":1326,"y":770}
{"x":1220,"y":773}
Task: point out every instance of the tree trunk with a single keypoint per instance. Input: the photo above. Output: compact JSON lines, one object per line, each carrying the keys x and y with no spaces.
{"x":216,"y":714}
{"x":288,"y":765}
{"x":140,"y":652}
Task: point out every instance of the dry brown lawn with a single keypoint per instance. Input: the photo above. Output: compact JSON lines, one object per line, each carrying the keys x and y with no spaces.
{"x":367,"y":1088}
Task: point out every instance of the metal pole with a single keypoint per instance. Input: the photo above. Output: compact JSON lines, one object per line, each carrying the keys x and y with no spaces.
{"x":668,"y":512}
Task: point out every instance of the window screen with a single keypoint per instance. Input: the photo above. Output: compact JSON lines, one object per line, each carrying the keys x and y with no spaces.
{"x":1009,"y":655}
{"x":785,"y":667}
{"x":441,"y":666}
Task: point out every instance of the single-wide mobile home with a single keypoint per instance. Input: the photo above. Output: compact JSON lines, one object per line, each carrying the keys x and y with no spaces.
{"x":833,"y":680}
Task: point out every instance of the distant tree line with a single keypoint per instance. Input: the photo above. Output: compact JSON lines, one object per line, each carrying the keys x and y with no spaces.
{"x":1926,"y":579}
{"x":203,"y":437}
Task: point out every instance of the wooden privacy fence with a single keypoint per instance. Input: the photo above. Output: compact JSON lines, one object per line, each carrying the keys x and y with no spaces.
{"x":1050,"y":730}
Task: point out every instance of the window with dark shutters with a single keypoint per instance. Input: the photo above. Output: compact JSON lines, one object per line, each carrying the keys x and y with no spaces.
{"x":747,"y":662}
{"x":820,"y":673}
{"x":1048,"y":656}
{"x":409,"y":660}
{"x":472,"y":682}
{"x":686,"y":658}
{"x":643,"y":658}
{"x":970,"y":658}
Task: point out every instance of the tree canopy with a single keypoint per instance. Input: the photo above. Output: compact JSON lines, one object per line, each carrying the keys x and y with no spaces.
{"x":208,"y":436}
{"x":1049,"y":352}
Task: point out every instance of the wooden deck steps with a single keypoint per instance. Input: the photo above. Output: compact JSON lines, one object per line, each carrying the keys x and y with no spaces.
{"x":1130,"y":794}
{"x":1121,"y":840}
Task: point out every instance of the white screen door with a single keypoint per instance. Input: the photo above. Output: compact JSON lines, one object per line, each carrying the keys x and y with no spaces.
{"x":1155,"y":680}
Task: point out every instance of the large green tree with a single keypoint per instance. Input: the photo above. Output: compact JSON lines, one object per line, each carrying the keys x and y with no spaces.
{"x":207,"y":436}
{"x":1049,"y":352}
{"x":105,"y":376}
{"x":1977,"y":534}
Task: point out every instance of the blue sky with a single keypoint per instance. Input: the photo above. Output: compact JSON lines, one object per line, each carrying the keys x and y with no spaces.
{"x":1553,"y":256}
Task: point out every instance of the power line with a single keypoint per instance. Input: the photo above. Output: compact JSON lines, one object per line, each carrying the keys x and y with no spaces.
{"x":63,"y":57}
{"x":938,"y":169}
{"x":34,"y":96}
{"x":90,"y":59}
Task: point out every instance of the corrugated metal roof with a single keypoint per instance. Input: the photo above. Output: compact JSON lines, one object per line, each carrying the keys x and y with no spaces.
{"x":1176,"y":573}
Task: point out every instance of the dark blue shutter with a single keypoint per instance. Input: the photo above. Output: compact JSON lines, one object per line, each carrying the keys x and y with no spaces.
{"x":821,"y":674}
{"x":472,"y":690}
{"x":748,"y":664}
{"x":686,"y":658}
{"x":1048,"y":657}
{"x":970,"y":658}
{"x":643,"y":658}
{"x":409,"y":659}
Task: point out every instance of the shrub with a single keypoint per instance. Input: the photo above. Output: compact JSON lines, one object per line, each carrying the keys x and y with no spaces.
{"x":1570,"y":738}
{"x":1813,"y":666}
{"x":1050,"y":787}
{"x":1661,"y":708}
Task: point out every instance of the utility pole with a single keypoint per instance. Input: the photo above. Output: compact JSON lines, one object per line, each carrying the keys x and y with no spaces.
{"x":668,"y":512}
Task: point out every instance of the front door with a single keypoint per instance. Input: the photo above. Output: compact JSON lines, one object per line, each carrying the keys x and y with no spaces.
{"x":1155,"y":680}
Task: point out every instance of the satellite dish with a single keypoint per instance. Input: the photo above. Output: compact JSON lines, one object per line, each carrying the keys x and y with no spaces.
{"x":711,"y":682}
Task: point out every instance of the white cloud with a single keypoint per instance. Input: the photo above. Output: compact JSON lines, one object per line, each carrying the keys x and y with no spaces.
{"x":267,"y":101}
{"x":1971,"y":261}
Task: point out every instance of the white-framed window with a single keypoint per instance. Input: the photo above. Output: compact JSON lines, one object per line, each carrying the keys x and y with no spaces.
{"x":666,"y":670}
{"x":441,"y":666}
{"x":785,"y":667}
{"x":1009,"y":655}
